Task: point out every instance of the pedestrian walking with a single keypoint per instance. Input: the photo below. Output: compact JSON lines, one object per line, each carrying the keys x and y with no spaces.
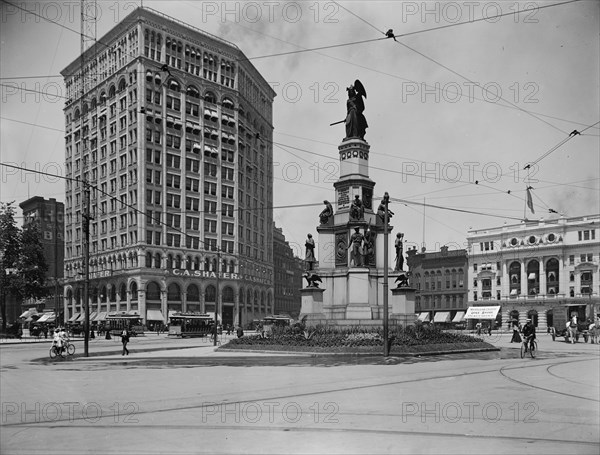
{"x":125,"y":340}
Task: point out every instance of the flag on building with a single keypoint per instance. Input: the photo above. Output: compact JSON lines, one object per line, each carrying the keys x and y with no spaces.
{"x":529,"y":199}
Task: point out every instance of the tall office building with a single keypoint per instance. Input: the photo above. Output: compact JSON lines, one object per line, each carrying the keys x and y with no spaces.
{"x":172,"y":128}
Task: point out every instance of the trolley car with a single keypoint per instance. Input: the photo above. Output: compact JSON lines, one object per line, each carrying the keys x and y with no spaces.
{"x":115,"y":323}
{"x":190,"y":325}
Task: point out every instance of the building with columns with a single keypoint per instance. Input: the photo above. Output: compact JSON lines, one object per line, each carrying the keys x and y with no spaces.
{"x":172,"y":129}
{"x":537,"y":269}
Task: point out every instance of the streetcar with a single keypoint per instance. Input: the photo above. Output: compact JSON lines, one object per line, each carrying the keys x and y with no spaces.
{"x":190,"y":325}
{"x":116,"y":322}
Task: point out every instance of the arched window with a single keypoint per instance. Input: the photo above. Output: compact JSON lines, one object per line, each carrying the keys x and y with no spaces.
{"x":210,"y":294}
{"x":210,"y":97}
{"x":193,"y":294}
{"x":228,"y":294}
{"x":152,"y":291}
{"x":134,"y":291}
{"x":174,"y":293}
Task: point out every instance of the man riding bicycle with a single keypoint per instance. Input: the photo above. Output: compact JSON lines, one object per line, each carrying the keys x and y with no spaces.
{"x":60,"y":340}
{"x":528,"y":333}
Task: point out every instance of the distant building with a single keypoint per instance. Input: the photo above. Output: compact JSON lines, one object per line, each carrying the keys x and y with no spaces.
{"x":536,"y":269}
{"x":49,"y":215}
{"x":440,"y":280}
{"x":287,"y":276}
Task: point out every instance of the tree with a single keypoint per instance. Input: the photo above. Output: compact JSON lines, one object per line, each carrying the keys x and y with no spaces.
{"x":10,"y":251}
{"x":23,"y":265}
{"x":32,"y":266}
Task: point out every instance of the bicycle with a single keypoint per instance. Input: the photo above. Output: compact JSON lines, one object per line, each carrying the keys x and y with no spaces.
{"x":532,"y":348}
{"x":67,"y":350}
{"x":55,"y":351}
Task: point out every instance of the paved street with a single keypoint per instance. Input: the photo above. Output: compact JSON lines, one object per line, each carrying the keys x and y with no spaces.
{"x":180,"y":396}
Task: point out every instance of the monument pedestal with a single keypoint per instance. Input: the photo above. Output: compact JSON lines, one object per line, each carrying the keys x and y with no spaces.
{"x":403,"y":306}
{"x":358,"y":294}
{"x":312,"y":303}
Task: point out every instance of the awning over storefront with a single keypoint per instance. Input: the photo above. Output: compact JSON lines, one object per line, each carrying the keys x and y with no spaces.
{"x":74,"y":317}
{"x":423,"y":317}
{"x":442,"y":316}
{"x":101,"y":316}
{"x":482,"y":312}
{"x":154,"y":315}
{"x":93,"y":316}
{"x":459,"y":316}
{"x":80,"y":318}
{"x":47,"y":317}
{"x":29,"y":312}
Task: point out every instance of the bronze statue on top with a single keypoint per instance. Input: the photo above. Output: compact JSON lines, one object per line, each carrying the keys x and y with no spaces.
{"x":356,"y":123}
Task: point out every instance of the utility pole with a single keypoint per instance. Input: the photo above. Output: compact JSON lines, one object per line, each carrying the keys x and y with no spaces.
{"x":386,"y":347}
{"x":87,"y":41}
{"x":216,"y":330}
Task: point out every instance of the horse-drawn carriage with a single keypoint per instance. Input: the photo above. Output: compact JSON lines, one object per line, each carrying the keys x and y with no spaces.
{"x":575,"y":321}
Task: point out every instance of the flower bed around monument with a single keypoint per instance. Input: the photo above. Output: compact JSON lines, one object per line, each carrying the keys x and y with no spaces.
{"x":413,"y":339}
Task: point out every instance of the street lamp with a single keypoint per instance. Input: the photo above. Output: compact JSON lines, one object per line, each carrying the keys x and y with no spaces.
{"x":386,"y":348}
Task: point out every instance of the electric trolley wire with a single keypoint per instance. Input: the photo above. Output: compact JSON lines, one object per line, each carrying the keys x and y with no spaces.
{"x":560,"y":144}
{"x":286,"y":147}
{"x":95,"y":187}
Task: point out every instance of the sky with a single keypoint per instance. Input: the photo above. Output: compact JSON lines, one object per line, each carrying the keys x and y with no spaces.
{"x":457,"y":105}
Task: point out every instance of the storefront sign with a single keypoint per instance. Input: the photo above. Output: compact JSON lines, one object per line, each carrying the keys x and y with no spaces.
{"x":222,"y":275}
{"x":482,"y":312}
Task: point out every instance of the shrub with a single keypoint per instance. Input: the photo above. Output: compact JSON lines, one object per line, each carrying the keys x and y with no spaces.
{"x":327,"y":336}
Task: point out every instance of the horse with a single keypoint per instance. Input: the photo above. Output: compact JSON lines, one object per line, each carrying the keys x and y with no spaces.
{"x":572,"y":329}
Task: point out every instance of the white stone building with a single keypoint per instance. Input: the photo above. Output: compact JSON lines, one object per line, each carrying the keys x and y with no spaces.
{"x":547,"y":269}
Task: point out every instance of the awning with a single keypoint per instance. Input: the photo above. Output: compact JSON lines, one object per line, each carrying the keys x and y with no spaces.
{"x":459,"y":316}
{"x":531,"y":276}
{"x":513,"y":292}
{"x":101,"y":317}
{"x":423,"y":317}
{"x":442,"y":316}
{"x":28,"y":313}
{"x":93,"y":316}
{"x":47,"y":317}
{"x":74,"y":317}
{"x":154,"y":315}
{"x":482,"y":312}
{"x":80,"y":317}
